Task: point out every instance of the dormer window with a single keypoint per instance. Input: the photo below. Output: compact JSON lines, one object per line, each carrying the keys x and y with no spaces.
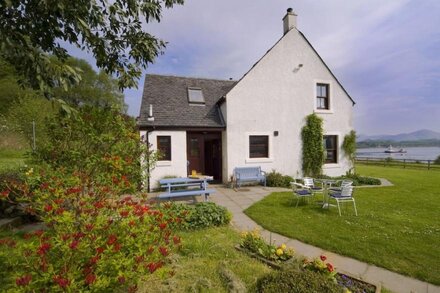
{"x":195,"y":96}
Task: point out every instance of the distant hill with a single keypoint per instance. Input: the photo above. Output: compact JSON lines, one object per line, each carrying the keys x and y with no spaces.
{"x":418,"y":135}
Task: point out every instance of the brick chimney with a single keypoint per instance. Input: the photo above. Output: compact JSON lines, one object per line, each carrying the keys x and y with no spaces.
{"x":289,"y":20}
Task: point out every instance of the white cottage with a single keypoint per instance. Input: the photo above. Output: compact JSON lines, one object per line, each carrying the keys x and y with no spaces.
{"x":212,"y":126}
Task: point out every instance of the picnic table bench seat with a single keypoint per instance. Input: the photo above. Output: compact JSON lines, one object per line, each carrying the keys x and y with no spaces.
{"x":249,"y":174}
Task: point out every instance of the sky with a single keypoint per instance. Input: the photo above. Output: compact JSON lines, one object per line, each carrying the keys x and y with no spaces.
{"x":385,"y":53}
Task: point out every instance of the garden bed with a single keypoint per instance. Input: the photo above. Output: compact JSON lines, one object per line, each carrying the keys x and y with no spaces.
{"x":353,"y":284}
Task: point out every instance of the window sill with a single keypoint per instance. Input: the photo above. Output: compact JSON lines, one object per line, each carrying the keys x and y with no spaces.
{"x":322,"y":111}
{"x":331,"y":166}
{"x":259,"y":160}
{"x":163,"y":163}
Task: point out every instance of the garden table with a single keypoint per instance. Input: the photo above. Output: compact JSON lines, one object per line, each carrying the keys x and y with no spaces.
{"x":326,"y":184}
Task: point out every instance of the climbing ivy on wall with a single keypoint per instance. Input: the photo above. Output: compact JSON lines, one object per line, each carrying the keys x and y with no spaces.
{"x":349,"y":147}
{"x":313,"y":149}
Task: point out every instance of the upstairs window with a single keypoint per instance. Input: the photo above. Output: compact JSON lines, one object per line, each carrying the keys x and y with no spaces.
{"x":322,"y":96}
{"x":331,"y":148}
{"x":164,"y":147}
{"x":258,"y":146}
{"x":195,"y":96}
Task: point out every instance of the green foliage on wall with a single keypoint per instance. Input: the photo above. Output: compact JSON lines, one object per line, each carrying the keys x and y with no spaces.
{"x":313,"y":149}
{"x":349,"y":146}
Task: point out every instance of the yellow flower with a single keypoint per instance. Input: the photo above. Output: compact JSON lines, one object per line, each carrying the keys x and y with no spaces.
{"x":30,"y":172}
{"x":283,"y":246}
{"x":279,"y":251}
{"x":347,"y":291}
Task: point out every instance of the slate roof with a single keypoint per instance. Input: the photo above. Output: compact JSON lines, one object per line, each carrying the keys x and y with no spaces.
{"x":169,"y":97}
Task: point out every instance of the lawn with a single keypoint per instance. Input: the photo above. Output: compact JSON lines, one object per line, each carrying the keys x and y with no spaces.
{"x":11,"y":159}
{"x":398,"y":227}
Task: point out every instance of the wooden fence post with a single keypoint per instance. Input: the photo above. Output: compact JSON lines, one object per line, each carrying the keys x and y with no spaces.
{"x":429,"y":164}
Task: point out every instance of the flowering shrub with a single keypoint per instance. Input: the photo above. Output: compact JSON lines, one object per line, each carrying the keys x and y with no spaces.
{"x":320,"y":265}
{"x":94,"y":241}
{"x":253,"y":242}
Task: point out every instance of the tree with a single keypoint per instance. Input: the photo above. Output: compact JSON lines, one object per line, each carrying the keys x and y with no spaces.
{"x":313,"y":149}
{"x":94,"y":89}
{"x":32,"y":30}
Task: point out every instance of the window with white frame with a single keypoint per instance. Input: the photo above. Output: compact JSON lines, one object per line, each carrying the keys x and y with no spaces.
{"x":258,"y":146}
{"x":331,"y":148}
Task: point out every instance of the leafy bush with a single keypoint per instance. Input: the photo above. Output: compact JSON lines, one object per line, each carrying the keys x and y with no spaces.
{"x":106,"y":243}
{"x":200,"y":215}
{"x":275,"y":179}
{"x":292,"y":280}
{"x":253,"y":242}
{"x":356,"y":178}
{"x":437,"y":161}
{"x":313,"y":155}
{"x":101,"y":144}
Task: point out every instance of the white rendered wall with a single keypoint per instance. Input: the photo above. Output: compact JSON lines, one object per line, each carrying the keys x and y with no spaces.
{"x":178,"y":164}
{"x":276,"y":95}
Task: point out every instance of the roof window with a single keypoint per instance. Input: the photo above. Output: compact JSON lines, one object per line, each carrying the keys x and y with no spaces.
{"x":195,"y":96}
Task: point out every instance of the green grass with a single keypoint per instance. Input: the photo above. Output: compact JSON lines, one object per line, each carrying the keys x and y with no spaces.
{"x":398,"y":227}
{"x":197,"y":265}
{"x":11,"y":159}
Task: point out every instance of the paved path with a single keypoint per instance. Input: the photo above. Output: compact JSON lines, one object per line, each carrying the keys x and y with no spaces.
{"x":237,"y":201}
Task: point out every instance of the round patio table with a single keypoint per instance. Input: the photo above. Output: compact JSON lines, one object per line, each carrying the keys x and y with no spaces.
{"x":326,"y":184}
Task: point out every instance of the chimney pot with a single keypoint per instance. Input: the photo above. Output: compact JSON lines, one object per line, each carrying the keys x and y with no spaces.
{"x":289,"y":21}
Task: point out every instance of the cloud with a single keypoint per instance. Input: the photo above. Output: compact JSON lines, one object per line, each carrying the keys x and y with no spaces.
{"x":384,"y":52}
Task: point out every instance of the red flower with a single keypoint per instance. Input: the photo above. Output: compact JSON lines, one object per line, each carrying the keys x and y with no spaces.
{"x":90,"y":279}
{"x":98,"y":205}
{"x":124,"y":214}
{"x":163,"y":251}
{"x":176,"y":240}
{"x":131,"y":223}
{"x":38,"y":233}
{"x":48,"y":208}
{"x":78,"y":235}
{"x":139,"y":258}
{"x":74,"y":244}
{"x":330,"y":267}
{"x":94,"y":259}
{"x":152,"y":267}
{"x":116,"y":247}
{"x":27,"y":236}
{"x":121,"y":279}
{"x":74,"y":190}
{"x":112,"y":239}
{"x":63,"y":283}
{"x":59,"y":211}
{"x":59,"y":201}
{"x":44,"y":185}
{"x":44,"y":248}
{"x":89,"y":227}
{"x":323,"y":257}
{"x":162,"y":226}
{"x":23,"y":281}
{"x":100,"y":250}
{"x":4,"y":193}
{"x":132,"y":289}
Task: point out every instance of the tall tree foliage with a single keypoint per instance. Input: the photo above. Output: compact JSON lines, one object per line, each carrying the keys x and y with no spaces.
{"x":31,"y":30}
{"x":94,"y":89}
{"x":313,"y":149}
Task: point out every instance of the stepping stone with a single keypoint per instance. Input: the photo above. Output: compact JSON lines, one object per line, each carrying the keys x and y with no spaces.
{"x":8,"y":224}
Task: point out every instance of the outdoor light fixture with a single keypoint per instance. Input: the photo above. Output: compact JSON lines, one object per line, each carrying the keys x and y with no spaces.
{"x":275,"y":133}
{"x":296,"y":69}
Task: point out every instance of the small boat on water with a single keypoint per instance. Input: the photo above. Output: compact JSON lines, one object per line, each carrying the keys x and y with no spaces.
{"x":391,"y":150}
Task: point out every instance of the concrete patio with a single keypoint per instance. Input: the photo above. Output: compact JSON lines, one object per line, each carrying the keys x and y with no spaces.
{"x":238,"y":200}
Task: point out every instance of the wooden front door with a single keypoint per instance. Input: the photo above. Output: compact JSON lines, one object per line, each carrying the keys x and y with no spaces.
{"x":196,"y":152}
{"x":204,"y":153}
